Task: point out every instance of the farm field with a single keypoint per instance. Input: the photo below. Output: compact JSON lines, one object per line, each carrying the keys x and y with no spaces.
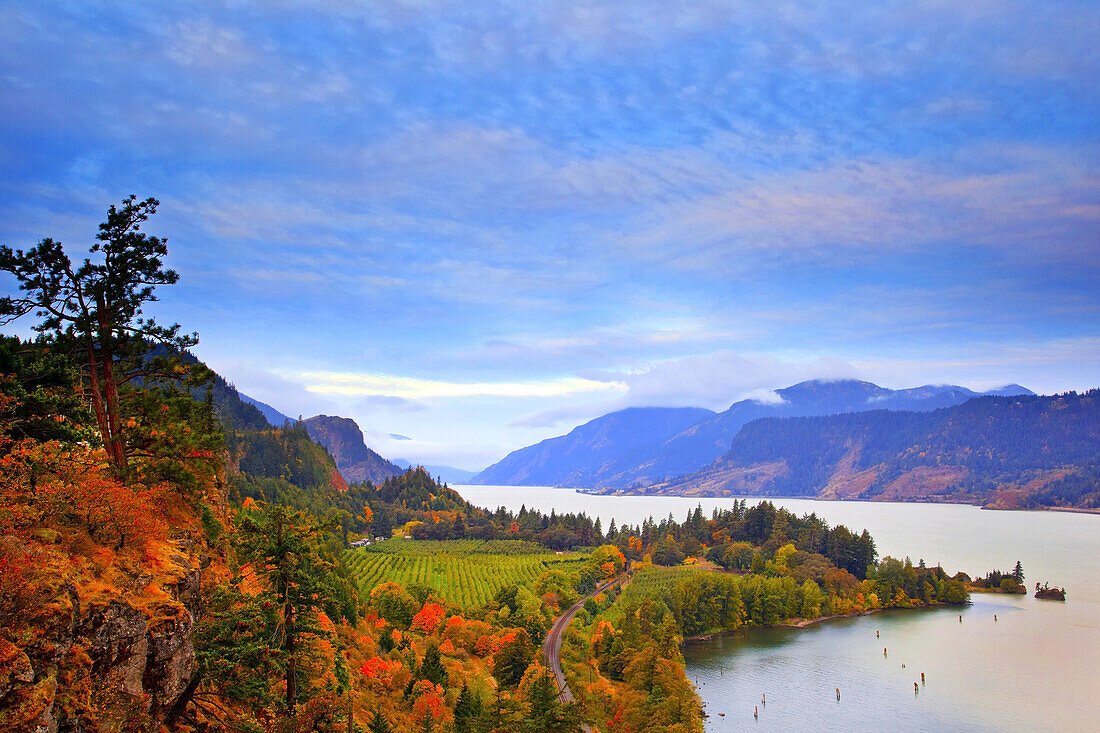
{"x":467,"y":573}
{"x":650,"y":582}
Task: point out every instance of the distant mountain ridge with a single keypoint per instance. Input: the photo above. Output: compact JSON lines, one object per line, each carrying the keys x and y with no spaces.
{"x":1020,"y":451}
{"x":643,"y":460}
{"x":446,"y":474}
{"x":343,"y":439}
{"x":273,"y":416}
{"x":579,"y":458}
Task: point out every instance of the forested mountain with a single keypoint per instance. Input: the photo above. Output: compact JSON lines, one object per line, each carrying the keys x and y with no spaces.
{"x":445,"y":474}
{"x":581,"y":458}
{"x":629,"y":459}
{"x":276,"y":418}
{"x":1016,"y":451}
{"x":344,"y":440}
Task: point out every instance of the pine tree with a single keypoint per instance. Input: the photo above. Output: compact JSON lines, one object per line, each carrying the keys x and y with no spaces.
{"x":545,"y":712}
{"x":432,"y":668}
{"x":378,"y":724}
{"x":464,"y":710}
{"x":1018,"y":573}
{"x":282,"y":546}
{"x":94,"y":310}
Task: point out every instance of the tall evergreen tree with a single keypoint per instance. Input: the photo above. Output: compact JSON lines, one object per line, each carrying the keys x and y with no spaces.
{"x":545,"y":712}
{"x":467,"y":709}
{"x":378,"y":723}
{"x":432,"y":668}
{"x":95,"y":310}
{"x":282,"y":546}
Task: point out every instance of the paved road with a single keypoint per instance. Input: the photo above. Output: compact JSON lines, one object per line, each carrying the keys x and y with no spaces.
{"x":551,"y":648}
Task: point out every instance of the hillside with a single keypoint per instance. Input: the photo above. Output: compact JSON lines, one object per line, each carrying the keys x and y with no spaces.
{"x":344,"y":440}
{"x":1022,"y":451}
{"x":626,"y":459}
{"x":273,"y":416}
{"x":581,"y":458}
{"x":445,"y":474}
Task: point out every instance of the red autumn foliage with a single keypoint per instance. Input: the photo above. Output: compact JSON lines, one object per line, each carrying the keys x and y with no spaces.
{"x":49,"y":485}
{"x":428,"y":618}
{"x":375,"y":668}
{"x":430,"y":703}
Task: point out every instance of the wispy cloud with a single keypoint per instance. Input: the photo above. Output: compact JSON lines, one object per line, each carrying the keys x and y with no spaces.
{"x":354,"y":384}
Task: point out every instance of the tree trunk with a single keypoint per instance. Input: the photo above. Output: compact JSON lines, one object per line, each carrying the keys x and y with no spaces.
{"x":114,"y":418}
{"x":97,"y":404}
{"x":181,"y":702}
{"x":292,"y":660}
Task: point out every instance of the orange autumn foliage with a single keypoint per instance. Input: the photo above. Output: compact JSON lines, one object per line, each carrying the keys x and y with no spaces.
{"x":375,"y":668}
{"x":430,"y":703}
{"x":50,"y":485}
{"x":428,"y":618}
{"x":466,"y":634}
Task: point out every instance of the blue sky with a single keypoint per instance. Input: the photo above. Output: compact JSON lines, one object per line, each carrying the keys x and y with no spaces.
{"x":480,"y":224}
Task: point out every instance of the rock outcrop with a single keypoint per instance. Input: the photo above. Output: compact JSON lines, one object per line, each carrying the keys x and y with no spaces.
{"x":103,"y":659}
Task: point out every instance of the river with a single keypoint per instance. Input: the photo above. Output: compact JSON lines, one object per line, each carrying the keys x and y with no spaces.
{"x":1036,"y":667}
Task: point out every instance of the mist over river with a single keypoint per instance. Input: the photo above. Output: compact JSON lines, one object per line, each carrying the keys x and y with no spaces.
{"x":1036,"y":667}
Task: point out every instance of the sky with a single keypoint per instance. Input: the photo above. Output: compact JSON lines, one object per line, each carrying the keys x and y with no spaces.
{"x":476,"y":225}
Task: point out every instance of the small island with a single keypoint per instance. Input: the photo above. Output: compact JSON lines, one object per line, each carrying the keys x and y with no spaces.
{"x":1046,"y":593}
{"x":996,"y":581}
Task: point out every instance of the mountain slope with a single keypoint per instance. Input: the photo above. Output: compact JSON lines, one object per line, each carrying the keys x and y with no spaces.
{"x":579,"y":458}
{"x":273,"y":416}
{"x":648,"y":459}
{"x":344,"y":440}
{"x":705,"y":442}
{"x":1006,"y":451}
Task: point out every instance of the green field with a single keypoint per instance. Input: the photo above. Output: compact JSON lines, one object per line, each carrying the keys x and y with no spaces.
{"x":467,"y":573}
{"x":651,"y":583}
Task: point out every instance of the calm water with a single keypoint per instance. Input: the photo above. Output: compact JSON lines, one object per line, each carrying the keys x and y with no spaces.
{"x":1036,"y":668}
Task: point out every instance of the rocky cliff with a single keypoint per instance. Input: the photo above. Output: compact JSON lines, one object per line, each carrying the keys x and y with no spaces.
{"x":97,"y":647}
{"x":343,"y":439}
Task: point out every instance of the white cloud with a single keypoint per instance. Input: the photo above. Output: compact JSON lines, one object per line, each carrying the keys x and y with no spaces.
{"x":350,"y":384}
{"x":718,"y":379}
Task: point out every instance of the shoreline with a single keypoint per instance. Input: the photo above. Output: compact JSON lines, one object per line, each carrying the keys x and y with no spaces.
{"x":978,"y":505}
{"x":1072,"y":509}
{"x":625,"y":493}
{"x":804,"y":623}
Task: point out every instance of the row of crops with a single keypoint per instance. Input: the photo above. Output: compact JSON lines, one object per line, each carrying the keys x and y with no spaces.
{"x":651,"y":583}
{"x":458,"y":547}
{"x":467,"y":573}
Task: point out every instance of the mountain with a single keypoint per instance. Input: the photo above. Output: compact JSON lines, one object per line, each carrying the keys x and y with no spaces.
{"x":1002,"y":451}
{"x":344,"y":440}
{"x":649,"y":460}
{"x":273,"y":416}
{"x":579,"y":458}
{"x":445,"y":474}
{"x":706,"y":441}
